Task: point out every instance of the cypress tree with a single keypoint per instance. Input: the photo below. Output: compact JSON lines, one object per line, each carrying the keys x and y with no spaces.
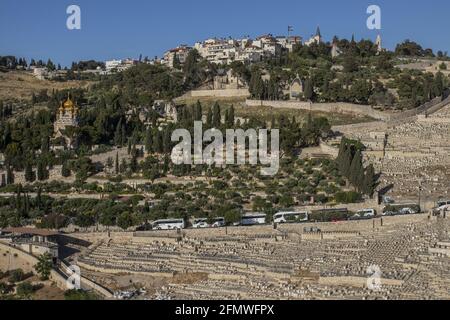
{"x":346,"y":162}
{"x":118,"y":134}
{"x":117,"y":163}
{"x":340,"y":157}
{"x":9,"y":175}
{"x":309,"y":90}
{"x":369,"y":181}
{"x":148,"y":140}
{"x":357,"y":171}
{"x":216,"y":118}
{"x":157,"y":142}
{"x":273,"y":122}
{"x":41,"y":171}
{"x":134,"y":163}
{"x":209,"y":118}
{"x":231,"y":117}
{"x":39,"y":198}
{"x":123,"y":134}
{"x":226,"y":118}
{"x":65,"y":171}
{"x":198,"y":111}
{"x":129,"y":147}
{"x":167,"y":143}
{"x":29,"y":174}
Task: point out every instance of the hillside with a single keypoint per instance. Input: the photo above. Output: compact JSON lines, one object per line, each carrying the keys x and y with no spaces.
{"x":20,"y":85}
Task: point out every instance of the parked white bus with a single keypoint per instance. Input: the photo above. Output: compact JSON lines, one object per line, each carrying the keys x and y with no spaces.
{"x":291,"y":217}
{"x":168,"y":224}
{"x":252,"y":219}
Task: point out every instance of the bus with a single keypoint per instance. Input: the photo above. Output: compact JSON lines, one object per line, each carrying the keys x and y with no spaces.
{"x":291,"y":217}
{"x":253,"y":219}
{"x":168,"y":224}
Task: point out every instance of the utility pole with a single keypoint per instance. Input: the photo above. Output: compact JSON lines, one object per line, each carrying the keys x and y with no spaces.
{"x":420,"y":195}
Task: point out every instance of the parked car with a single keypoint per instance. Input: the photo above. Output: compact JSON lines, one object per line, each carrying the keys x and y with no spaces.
{"x":218,"y":223}
{"x":200,"y":224}
{"x":367,"y":213}
{"x":405,"y":211}
{"x":356,"y":216}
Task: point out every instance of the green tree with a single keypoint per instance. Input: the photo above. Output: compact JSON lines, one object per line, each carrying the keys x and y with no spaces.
{"x":25,"y":289}
{"x":192,"y":70}
{"x":44,"y":266}
{"x":209,"y":118}
{"x":42,"y":173}
{"x":198,"y":114}
{"x":125,"y":220}
{"x":256,"y":86}
{"x":216,"y":118}
{"x":357,"y":171}
{"x":65,"y":170}
{"x":29,"y":173}
{"x":309,"y":90}
{"x":73,"y":295}
{"x":232,"y":216}
{"x":16,"y":275}
{"x":231,"y":117}
{"x":117,"y":163}
{"x":148,"y":140}
{"x":369,"y":181}
{"x":350,"y":63}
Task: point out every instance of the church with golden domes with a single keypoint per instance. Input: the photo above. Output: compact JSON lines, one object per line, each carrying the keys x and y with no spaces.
{"x":67,"y":116}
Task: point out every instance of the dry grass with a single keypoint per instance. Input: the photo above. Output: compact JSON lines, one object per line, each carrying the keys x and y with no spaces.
{"x":20,"y":85}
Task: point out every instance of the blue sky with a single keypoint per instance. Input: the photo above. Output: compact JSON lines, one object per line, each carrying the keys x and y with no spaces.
{"x":120,"y":29}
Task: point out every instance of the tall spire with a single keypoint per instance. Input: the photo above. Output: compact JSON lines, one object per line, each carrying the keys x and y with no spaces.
{"x":318,"y":34}
{"x":379,"y":43}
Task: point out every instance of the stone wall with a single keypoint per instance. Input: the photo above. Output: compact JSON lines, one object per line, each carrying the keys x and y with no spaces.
{"x":338,"y":107}
{"x":225,"y":93}
{"x":413,"y":115}
{"x":362,"y":110}
{"x":13,"y":258}
{"x":54,"y":173}
{"x":327,"y":149}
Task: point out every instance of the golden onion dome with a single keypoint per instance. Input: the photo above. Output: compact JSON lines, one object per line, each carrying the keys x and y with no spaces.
{"x":69,"y":104}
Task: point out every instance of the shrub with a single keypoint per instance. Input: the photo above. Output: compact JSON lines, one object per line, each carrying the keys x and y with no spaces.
{"x":16,"y":276}
{"x":348,"y":197}
{"x":79,"y":295}
{"x":328,"y":216}
{"x":25,"y":289}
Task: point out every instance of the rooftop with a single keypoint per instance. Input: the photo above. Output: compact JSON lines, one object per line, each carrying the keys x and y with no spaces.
{"x":32,"y":231}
